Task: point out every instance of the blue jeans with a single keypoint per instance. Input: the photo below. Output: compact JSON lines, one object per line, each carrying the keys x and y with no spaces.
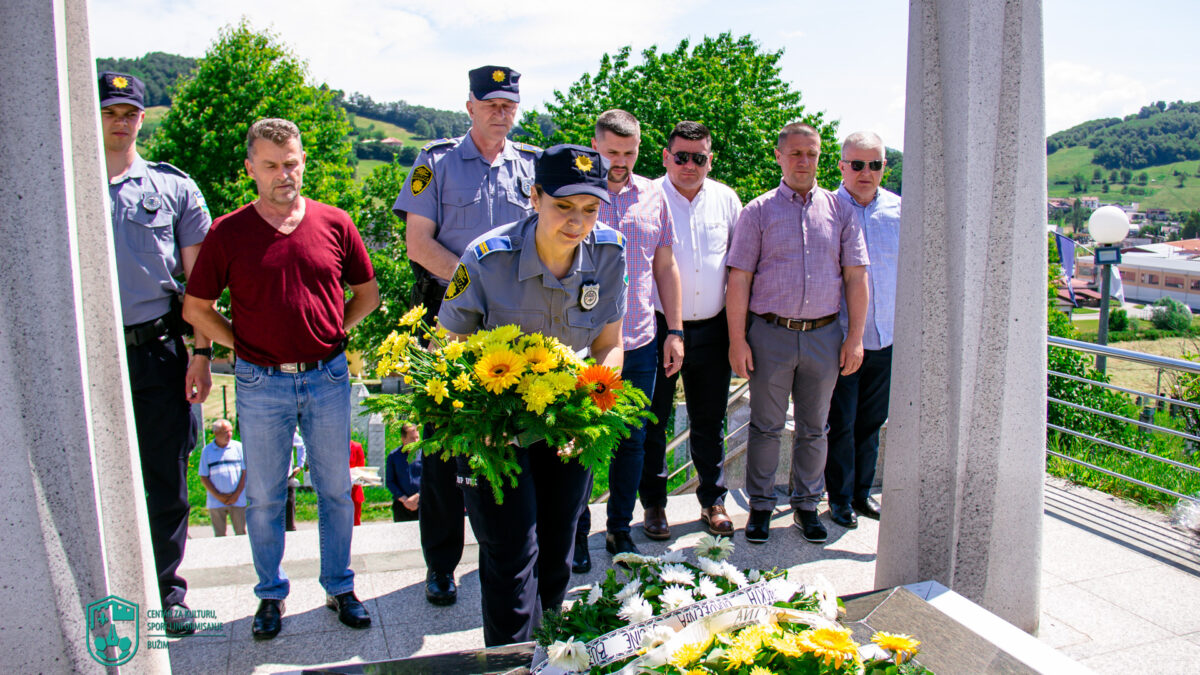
{"x":269,"y":405}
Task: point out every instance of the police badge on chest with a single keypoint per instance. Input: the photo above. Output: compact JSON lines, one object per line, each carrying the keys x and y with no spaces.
{"x":589,"y":295}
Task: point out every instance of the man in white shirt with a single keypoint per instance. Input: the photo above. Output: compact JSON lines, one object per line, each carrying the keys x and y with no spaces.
{"x":704,"y":212}
{"x":223,"y":472}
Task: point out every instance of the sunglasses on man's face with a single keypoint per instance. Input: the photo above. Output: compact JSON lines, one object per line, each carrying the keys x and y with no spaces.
{"x":682,"y":158}
{"x":858,"y":164}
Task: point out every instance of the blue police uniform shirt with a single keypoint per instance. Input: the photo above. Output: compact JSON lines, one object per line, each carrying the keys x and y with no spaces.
{"x":157,"y":210}
{"x":452,"y":185}
{"x":501,"y":280}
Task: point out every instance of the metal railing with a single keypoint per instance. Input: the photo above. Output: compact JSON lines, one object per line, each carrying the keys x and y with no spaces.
{"x":1162,"y":363}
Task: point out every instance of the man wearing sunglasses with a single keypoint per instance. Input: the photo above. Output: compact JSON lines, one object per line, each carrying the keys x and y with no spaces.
{"x":704,"y":212}
{"x":860,"y":399}
{"x":797,"y":250}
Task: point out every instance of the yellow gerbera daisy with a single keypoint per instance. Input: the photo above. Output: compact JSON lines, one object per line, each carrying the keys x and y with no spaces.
{"x":541,"y":360}
{"x":412,"y":316}
{"x":437,"y":389}
{"x":831,"y":645}
{"x":901,"y":646}
{"x":688,"y":654}
{"x":462,"y":382}
{"x":499,"y":369}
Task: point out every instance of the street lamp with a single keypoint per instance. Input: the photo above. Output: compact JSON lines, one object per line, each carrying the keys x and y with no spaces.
{"x":1107,"y":225}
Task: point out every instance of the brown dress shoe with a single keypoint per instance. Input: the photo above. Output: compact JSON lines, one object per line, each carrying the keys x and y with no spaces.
{"x":654,"y":523}
{"x":717,"y":520}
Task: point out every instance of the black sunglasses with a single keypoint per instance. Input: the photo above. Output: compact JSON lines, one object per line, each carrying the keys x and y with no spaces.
{"x":682,"y":157}
{"x":858,"y":164}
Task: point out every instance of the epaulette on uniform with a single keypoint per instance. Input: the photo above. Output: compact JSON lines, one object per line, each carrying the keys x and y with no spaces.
{"x":525,"y":147}
{"x":608,"y":235}
{"x":169,"y":168}
{"x":491,"y":246}
{"x":437,"y":144}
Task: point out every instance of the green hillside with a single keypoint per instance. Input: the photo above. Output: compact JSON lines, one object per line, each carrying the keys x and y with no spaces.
{"x":365,"y":125}
{"x":1162,"y":191}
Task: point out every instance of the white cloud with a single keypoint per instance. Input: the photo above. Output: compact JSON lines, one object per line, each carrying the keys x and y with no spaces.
{"x":1077,"y":92}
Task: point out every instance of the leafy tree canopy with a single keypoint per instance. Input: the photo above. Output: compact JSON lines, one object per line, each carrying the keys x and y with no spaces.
{"x":730,"y":85}
{"x":246,"y":76}
{"x":1160,"y":133}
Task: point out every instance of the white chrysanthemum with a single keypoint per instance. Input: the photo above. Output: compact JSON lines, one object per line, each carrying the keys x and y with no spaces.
{"x":783,"y":589}
{"x":826,"y":596}
{"x":656,"y":636}
{"x":631,"y":589}
{"x":709,"y":589}
{"x":676,"y":556}
{"x":570,"y":656}
{"x":635,"y":609}
{"x":677,"y":574}
{"x":716,"y":548}
{"x":674,"y":597}
{"x":734,"y":575}
{"x":594,"y":595}
{"x":754,"y":576}
{"x":710,"y":567}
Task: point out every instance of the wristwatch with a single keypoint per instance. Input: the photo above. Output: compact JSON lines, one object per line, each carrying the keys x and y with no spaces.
{"x":674,"y":331}
{"x":202,"y":351}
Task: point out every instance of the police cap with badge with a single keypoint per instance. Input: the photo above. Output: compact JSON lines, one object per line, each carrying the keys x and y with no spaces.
{"x":489,"y":82}
{"x":121,"y":88}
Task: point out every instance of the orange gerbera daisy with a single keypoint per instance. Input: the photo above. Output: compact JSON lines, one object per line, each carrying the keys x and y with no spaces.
{"x":603,"y":382}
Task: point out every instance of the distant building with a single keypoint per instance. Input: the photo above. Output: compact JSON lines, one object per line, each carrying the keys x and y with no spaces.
{"x":1158,"y":214}
{"x":1090,"y":202}
{"x":1153,"y":271}
{"x":392,"y":140}
{"x":1059,"y":206}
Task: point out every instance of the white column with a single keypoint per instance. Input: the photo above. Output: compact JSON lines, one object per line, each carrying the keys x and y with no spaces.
{"x":75,"y":525}
{"x":964,"y":469}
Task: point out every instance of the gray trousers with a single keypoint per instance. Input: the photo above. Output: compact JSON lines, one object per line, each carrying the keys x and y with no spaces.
{"x":803,"y":365}
{"x":237,"y":514}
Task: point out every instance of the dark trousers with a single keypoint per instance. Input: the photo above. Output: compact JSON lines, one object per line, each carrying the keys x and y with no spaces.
{"x":526,"y":543}
{"x":289,"y":521}
{"x":166,"y":432}
{"x":400,"y":514}
{"x":441,"y":513}
{"x":706,"y":373}
{"x":858,"y":409}
{"x":625,"y":467}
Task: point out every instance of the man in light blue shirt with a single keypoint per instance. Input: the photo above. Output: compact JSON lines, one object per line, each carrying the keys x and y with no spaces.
{"x":860,"y":400}
{"x":223,"y":472}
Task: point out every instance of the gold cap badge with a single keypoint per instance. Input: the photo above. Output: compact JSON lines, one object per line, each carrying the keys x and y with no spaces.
{"x":498,"y":75}
{"x":583,"y":163}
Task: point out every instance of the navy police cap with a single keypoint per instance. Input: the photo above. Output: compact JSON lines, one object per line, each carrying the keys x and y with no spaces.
{"x":121,"y":88}
{"x":565,"y":170}
{"x":495,"y":82}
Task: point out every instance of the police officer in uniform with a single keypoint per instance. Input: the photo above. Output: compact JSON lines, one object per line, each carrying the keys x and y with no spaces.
{"x":458,"y":189}
{"x":560,"y":273}
{"x":159,"y":221}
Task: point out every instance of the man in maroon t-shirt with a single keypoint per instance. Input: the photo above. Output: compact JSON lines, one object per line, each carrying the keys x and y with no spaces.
{"x":285,"y":259}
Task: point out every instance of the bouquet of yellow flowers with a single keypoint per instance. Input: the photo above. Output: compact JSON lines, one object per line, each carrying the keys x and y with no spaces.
{"x":502,"y":388}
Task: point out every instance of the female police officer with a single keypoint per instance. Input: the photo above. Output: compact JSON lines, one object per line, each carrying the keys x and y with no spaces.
{"x":559,"y":273}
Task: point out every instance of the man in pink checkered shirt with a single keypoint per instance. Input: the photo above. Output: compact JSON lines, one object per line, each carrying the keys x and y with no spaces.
{"x":638,"y":208}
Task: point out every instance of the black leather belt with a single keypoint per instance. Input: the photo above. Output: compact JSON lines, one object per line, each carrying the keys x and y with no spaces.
{"x":802,"y":325}
{"x":304,"y":367}
{"x":143,"y":333}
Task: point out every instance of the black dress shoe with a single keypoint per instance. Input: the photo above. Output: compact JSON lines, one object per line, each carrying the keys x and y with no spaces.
{"x":440,"y":588}
{"x":843,"y":515}
{"x":758,"y":527}
{"x":268,"y":619}
{"x":350,"y":610}
{"x":809,"y":523}
{"x":867,"y":506}
{"x":582,"y":561}
{"x":177,"y":620}
{"x":620,"y":542}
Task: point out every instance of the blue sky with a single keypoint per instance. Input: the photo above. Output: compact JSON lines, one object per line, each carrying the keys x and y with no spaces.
{"x":1103,"y":58}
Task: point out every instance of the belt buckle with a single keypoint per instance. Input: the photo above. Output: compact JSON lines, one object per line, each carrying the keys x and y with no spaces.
{"x":795,"y":324}
{"x":291,"y":368}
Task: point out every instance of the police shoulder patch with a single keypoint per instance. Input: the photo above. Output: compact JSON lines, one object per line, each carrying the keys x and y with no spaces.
{"x":608,"y":235}
{"x":526,"y":147}
{"x":492,"y":245}
{"x":421,"y":178}
{"x":169,"y":168}
{"x":437,"y":144}
{"x":458,"y":282}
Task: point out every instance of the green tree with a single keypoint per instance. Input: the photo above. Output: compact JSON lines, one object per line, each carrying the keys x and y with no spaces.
{"x":731,"y":85}
{"x":1078,"y":181}
{"x":1126,"y":176}
{"x":245,"y":76}
{"x":1171,"y":314}
{"x":1191,"y":226}
{"x":1143,"y":178}
{"x":1096,"y":174}
{"x":1181,"y":179}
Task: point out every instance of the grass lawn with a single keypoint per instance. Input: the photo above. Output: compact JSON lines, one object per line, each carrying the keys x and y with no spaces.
{"x":365,"y":167}
{"x":364,"y":124}
{"x":1161,"y":192}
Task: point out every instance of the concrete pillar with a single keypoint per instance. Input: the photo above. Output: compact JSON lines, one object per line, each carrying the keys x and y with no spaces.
{"x":74,"y":523}
{"x":962,"y":499}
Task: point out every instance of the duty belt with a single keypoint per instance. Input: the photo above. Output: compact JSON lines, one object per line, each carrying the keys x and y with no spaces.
{"x":802,"y":325}
{"x":142,"y":333}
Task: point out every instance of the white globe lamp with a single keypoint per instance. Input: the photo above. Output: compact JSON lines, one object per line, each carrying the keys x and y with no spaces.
{"x":1108,"y":225}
